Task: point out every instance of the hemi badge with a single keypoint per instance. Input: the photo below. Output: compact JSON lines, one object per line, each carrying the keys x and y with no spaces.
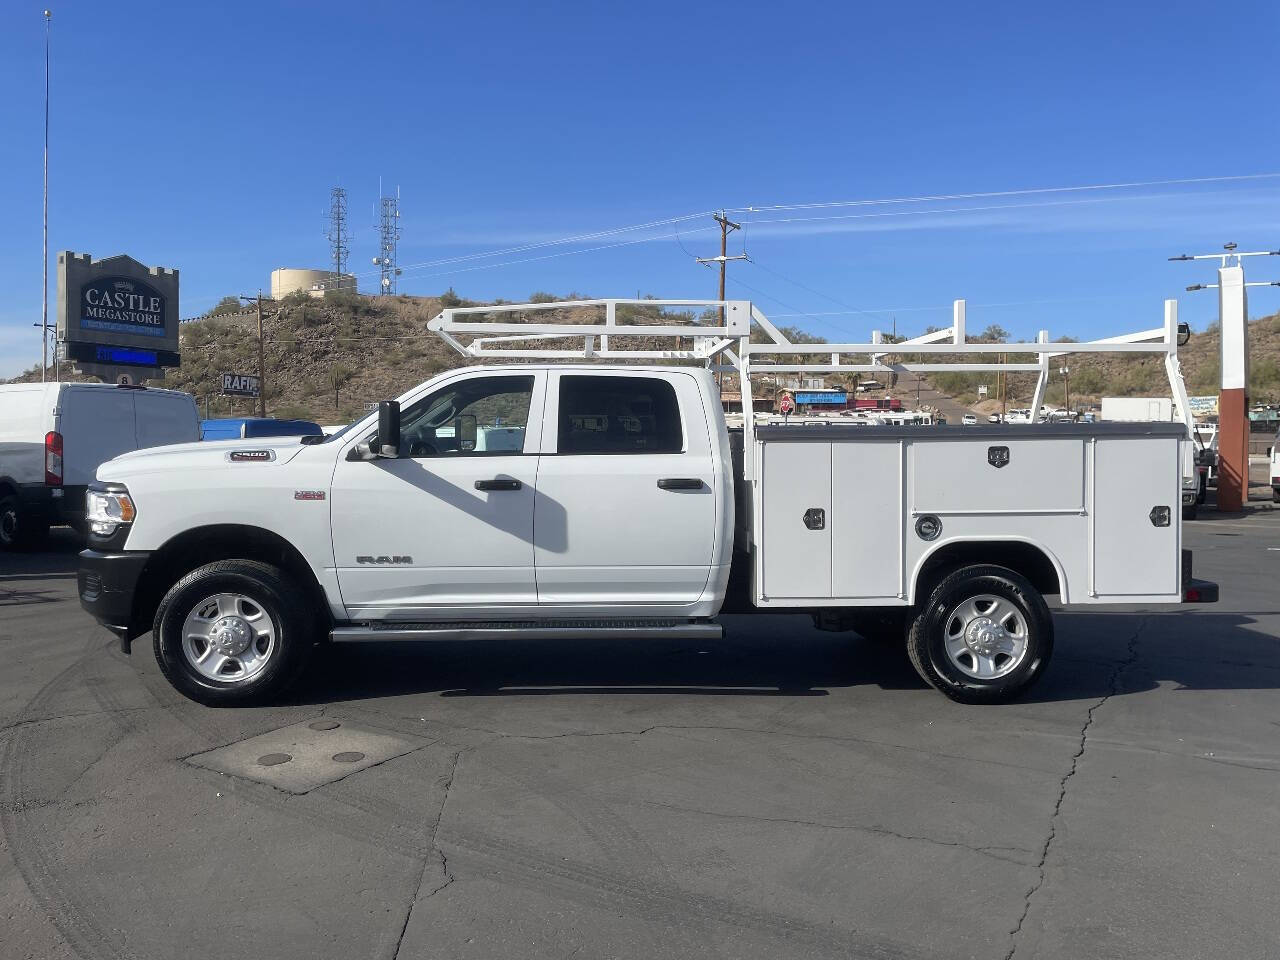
{"x":308,"y":494}
{"x":249,"y":456}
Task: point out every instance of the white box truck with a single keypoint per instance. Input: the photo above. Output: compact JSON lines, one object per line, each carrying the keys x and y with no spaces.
{"x":53,"y":437}
{"x":1195,"y":468}
{"x":627,"y":509}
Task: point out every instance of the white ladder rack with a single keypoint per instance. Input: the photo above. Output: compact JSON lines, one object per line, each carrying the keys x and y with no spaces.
{"x":725,"y":344}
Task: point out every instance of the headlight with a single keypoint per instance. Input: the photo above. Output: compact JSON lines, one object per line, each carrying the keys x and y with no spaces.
{"x":106,"y":510}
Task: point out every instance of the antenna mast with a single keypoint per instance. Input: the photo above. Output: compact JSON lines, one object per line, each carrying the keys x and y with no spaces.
{"x":339,"y":234}
{"x":389,"y":236}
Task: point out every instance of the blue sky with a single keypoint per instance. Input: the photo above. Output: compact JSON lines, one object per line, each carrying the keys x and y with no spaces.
{"x":206,"y":137}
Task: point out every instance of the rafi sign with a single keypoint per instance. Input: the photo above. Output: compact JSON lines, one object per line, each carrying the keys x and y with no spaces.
{"x":122,"y":305}
{"x":117,"y":316}
{"x":240,"y":385}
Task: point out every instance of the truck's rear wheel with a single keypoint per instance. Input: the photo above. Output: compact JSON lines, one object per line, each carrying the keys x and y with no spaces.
{"x":983,"y":636}
{"x":233,"y":632}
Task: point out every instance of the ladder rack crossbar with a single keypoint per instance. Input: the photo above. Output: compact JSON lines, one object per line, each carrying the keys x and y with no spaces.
{"x":725,"y":345}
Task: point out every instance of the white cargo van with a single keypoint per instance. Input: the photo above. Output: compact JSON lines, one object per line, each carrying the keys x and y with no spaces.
{"x":53,"y":437}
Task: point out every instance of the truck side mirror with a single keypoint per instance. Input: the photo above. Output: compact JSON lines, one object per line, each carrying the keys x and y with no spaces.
{"x":388,"y":429}
{"x":465,"y":427}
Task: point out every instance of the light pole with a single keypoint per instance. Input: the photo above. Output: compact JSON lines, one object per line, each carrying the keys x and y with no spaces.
{"x":44,"y":289}
{"x":1066,"y":377}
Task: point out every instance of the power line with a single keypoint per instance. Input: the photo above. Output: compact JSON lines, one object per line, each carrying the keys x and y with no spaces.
{"x":1182,"y":181}
{"x":983,"y":209}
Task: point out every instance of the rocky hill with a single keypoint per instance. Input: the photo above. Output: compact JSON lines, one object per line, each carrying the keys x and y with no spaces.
{"x":327,"y":360}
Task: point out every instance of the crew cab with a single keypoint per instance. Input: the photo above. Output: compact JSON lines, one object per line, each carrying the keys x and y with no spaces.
{"x":603,"y":501}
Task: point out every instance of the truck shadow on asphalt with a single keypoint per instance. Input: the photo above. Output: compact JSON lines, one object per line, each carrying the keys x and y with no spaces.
{"x":1097,"y":655}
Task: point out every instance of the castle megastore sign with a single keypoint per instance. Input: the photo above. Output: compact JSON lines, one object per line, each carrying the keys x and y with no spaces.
{"x":122,"y":305}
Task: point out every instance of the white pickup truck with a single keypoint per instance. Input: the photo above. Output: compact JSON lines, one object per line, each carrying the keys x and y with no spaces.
{"x":621,"y":506}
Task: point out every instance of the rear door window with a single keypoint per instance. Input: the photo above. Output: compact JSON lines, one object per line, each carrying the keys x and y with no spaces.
{"x":618,"y":415}
{"x":96,"y":424}
{"x":163,"y":419}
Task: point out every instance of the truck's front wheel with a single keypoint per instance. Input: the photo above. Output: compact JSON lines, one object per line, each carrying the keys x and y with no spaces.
{"x":233,"y":632}
{"x":984,"y":635}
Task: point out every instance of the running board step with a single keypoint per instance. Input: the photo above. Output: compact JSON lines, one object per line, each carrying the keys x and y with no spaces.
{"x":631,"y":629}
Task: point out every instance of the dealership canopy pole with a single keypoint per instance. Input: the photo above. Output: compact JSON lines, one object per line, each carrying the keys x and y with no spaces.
{"x":1233,"y":394}
{"x":44,"y":260}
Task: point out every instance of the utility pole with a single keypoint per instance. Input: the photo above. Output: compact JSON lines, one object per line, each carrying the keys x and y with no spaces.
{"x":1066,"y":378}
{"x":726,"y":227}
{"x":262,"y":365}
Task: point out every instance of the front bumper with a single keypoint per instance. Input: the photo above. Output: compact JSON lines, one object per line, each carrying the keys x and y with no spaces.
{"x":107,"y":583}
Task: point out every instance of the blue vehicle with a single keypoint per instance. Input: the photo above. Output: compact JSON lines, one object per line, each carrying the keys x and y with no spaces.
{"x":238,"y":428}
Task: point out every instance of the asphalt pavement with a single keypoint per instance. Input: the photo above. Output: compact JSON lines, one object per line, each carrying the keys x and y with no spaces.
{"x":780,"y":793}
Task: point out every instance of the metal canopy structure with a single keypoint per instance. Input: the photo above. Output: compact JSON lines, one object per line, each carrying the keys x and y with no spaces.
{"x":605,"y":330}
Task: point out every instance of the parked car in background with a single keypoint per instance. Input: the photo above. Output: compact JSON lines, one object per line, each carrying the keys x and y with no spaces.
{"x":969,"y":420}
{"x":240,"y":428}
{"x":53,"y":437}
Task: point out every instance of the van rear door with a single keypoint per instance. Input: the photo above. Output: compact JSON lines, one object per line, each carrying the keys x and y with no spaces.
{"x":96,"y":424}
{"x":163,"y":418}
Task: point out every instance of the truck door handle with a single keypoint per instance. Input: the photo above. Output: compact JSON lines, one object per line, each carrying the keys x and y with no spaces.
{"x":679,"y":483}
{"x":498,"y":483}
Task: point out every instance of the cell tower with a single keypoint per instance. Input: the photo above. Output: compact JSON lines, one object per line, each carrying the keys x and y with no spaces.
{"x":389,"y":235}
{"x":339,"y":235}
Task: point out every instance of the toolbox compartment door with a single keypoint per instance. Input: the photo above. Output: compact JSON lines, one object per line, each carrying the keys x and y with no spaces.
{"x":1135,"y":552}
{"x":795,"y":510}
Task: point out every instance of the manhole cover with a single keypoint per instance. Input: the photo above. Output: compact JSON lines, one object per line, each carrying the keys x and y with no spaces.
{"x":303,"y":756}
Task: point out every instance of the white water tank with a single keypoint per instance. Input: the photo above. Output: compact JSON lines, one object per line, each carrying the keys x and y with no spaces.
{"x":287,"y":280}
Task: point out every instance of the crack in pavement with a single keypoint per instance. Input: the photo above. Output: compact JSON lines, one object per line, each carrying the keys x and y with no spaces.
{"x":1130,"y":658}
{"x":984,"y":850}
{"x":444,"y":861}
{"x":829,"y":738}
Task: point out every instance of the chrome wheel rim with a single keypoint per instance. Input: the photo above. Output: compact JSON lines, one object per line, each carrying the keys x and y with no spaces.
{"x":985,"y":637}
{"x":228,"y":637}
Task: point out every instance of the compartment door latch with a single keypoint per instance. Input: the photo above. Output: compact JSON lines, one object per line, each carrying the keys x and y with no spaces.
{"x":815,"y":518}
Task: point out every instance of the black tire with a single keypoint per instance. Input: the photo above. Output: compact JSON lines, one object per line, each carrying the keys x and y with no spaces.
{"x":1190,"y":511}
{"x":272,"y":590}
{"x":20,"y":529}
{"x":926,"y":639}
{"x":1203,"y":494}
